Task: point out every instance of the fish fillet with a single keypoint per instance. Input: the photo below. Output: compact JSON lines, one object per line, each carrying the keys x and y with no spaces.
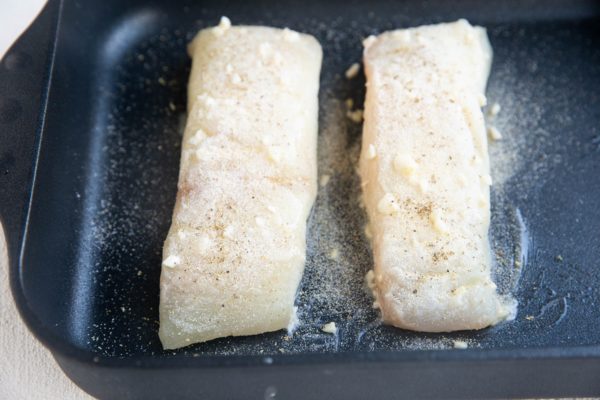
{"x":235,"y":252}
{"x":424,"y":168}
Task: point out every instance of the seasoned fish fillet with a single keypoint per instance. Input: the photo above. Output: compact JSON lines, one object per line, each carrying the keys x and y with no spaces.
{"x":425,"y":174}
{"x":235,"y":252}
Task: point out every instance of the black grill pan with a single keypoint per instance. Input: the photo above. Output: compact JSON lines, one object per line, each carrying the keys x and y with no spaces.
{"x":92,"y":99}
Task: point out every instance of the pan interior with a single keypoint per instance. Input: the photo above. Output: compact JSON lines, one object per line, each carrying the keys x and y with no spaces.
{"x":108,"y":168}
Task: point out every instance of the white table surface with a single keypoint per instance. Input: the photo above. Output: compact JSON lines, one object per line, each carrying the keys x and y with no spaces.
{"x":27,"y":369}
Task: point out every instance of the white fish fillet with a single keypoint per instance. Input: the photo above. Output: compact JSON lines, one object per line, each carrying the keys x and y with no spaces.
{"x":424,"y":167}
{"x":235,"y":252}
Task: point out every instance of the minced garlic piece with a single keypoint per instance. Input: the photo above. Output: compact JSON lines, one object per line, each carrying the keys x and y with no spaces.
{"x":405,"y":164}
{"x":274,"y":153}
{"x":355,"y":116}
{"x":494,"y":133}
{"x":324,"y":180}
{"x":421,"y":184}
{"x":203,"y":243}
{"x":367,"y":42}
{"x":198,"y":137}
{"x":371,"y":152}
{"x":494,"y":109}
{"x":172,"y":261}
{"x":207,"y":100}
{"x":482,"y":100}
{"x":483,"y":202}
{"x":436,"y":220}
{"x":290,"y":35}
{"x":368,"y":232}
{"x":334,"y":254}
{"x":329,"y":328}
{"x":236,"y":79}
{"x":228,"y":232}
{"x":370,"y":279}
{"x":260,"y":221}
{"x":224,"y":25}
{"x":352,"y":72}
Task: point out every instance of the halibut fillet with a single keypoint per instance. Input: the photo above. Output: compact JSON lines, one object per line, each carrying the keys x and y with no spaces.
{"x":235,"y":252}
{"x":425,"y":173}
